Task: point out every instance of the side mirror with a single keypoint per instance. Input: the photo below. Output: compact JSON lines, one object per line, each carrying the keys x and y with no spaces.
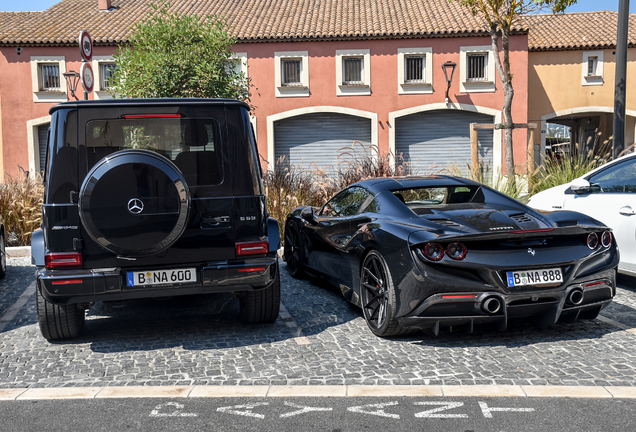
{"x":580,"y":186}
{"x":308,"y":214}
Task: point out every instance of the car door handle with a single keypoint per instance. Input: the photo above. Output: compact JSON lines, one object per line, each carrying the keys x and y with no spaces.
{"x":627,"y":211}
{"x":208,"y":222}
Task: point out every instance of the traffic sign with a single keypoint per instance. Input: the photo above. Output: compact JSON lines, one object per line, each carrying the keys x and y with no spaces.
{"x":86,"y":45}
{"x":86,"y":75}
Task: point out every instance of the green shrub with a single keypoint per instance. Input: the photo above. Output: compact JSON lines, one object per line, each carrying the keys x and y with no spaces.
{"x":21,"y":207}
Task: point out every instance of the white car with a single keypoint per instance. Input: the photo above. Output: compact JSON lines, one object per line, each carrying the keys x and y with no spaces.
{"x":607,"y":194}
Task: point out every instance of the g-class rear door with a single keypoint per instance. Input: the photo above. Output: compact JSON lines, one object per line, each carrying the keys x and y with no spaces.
{"x":157,"y":185}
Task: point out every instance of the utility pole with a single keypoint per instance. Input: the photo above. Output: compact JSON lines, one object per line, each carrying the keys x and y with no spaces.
{"x":620,"y":83}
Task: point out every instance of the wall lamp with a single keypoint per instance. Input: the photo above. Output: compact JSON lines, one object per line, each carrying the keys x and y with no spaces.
{"x":72,"y":79}
{"x":449,"y":65}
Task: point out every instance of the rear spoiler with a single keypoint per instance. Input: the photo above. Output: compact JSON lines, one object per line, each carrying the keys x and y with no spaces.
{"x":425,"y":236}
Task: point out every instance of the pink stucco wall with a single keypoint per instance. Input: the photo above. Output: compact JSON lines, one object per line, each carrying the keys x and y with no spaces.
{"x":16,"y":98}
{"x":17,"y":106}
{"x":384,"y":96}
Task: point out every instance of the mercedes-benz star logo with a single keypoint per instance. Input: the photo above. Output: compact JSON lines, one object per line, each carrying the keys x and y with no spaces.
{"x":531,"y":251}
{"x":135,"y":206}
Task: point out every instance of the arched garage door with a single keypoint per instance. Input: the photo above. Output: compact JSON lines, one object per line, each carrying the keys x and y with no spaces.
{"x":316,"y":138}
{"x":433,"y":140}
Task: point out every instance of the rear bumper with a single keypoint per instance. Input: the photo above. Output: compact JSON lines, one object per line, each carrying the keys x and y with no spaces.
{"x":90,"y":285}
{"x":546,"y":307}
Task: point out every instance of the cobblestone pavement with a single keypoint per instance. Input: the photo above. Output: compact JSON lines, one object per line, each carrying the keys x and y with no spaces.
{"x":200,"y":340}
{"x":20,"y":273}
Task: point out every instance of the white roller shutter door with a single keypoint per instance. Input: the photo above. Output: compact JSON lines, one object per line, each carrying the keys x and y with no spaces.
{"x":318,"y":138}
{"x":433,"y":140}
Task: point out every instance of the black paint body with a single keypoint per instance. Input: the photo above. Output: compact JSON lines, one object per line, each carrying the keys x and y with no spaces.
{"x":500,"y":235}
{"x":194,"y":212}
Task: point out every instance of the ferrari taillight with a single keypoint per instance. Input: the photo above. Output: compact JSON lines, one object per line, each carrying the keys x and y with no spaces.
{"x":592,"y":240}
{"x":433,"y":251}
{"x":456,"y":251}
{"x":606,"y":238}
{"x":62,"y":260}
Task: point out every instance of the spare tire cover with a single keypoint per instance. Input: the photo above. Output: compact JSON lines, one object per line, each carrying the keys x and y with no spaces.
{"x":134,"y":203}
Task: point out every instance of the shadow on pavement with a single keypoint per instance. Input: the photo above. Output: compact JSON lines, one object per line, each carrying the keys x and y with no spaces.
{"x":197,"y":322}
{"x":334,"y":310}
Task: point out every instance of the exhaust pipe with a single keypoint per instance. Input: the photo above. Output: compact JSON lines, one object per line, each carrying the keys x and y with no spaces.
{"x":491,"y":305}
{"x":575,"y":297}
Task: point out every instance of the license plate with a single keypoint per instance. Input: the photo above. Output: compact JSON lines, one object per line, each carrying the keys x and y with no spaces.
{"x":162,"y":277}
{"x":535,"y":277}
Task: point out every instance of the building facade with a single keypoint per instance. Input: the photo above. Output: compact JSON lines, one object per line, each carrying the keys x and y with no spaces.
{"x":327,"y":74}
{"x":571,"y":77}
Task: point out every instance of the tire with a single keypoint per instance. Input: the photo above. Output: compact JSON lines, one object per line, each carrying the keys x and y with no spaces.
{"x":134,"y":203}
{"x":378,"y":297}
{"x":58,"y":322}
{"x":293,"y":252}
{"x":262,"y":306}
{"x":3,"y":255}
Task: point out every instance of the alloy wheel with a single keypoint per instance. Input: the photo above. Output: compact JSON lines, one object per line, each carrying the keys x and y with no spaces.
{"x":374,"y":291}
{"x":292,"y":250}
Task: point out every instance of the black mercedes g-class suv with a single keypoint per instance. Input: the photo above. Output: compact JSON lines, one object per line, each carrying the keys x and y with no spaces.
{"x":152,"y":198}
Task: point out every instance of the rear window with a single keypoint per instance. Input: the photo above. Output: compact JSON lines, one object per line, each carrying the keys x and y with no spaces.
{"x":193,"y":145}
{"x":420,"y":200}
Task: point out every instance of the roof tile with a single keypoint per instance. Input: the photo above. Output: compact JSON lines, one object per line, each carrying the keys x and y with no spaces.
{"x":583,"y":30}
{"x":249,"y":20}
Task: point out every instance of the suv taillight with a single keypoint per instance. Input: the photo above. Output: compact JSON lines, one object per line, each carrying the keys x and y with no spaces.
{"x":151,"y":116}
{"x":62,"y":260}
{"x":252,"y":248}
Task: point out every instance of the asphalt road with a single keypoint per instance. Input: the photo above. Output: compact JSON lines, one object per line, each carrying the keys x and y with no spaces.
{"x":323,"y":414}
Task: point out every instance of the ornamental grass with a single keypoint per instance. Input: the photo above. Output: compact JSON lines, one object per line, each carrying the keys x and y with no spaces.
{"x":288,"y":186}
{"x":21,"y":207}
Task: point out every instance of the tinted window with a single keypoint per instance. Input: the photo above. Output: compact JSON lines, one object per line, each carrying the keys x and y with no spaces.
{"x":62,"y":147}
{"x":346,"y":203}
{"x":423,"y":199}
{"x":620,"y":178}
{"x":192,"y":144}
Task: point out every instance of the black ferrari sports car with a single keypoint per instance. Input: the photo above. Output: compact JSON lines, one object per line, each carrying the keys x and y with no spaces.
{"x":440,"y":251}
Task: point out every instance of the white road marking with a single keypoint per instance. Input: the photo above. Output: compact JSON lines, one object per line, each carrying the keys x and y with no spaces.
{"x":16,"y":307}
{"x":362,"y":409}
{"x":443,"y":406}
{"x":303,"y":409}
{"x":176,"y":413}
{"x":246,"y":409}
{"x":487,"y":411}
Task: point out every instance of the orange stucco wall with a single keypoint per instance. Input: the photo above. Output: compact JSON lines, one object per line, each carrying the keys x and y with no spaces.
{"x":555,"y":86}
{"x":17,"y":106}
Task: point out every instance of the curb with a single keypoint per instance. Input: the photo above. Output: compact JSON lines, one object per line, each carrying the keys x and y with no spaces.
{"x":18,"y":251}
{"x":257,"y":391}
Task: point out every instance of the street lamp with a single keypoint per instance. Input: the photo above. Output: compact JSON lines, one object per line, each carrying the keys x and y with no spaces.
{"x":449,"y":65}
{"x":72,"y":79}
